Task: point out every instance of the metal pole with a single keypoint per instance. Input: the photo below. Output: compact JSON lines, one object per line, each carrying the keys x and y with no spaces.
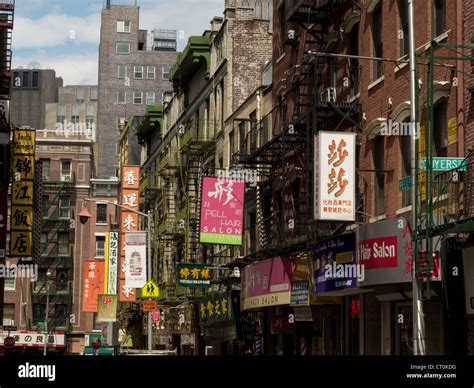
{"x":45,"y":350}
{"x":418,"y":317}
{"x":150,"y":329}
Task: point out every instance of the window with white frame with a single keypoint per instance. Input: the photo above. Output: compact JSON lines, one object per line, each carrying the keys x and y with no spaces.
{"x":99,"y":246}
{"x":138,"y":98}
{"x":165,"y":72}
{"x":10,"y":283}
{"x":121,"y":96}
{"x":150,"y":98}
{"x":122,"y":71}
{"x":138,"y":72}
{"x":66,"y":172}
{"x":123,"y":26}
{"x":150,"y":72}
{"x":123,"y":48}
{"x":64,"y":206}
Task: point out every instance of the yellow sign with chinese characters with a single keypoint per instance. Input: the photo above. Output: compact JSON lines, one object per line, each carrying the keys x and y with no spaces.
{"x":452,"y":131}
{"x":22,"y":218}
{"x":23,"y":167}
{"x":23,"y":193}
{"x":150,"y":290}
{"x":21,"y":243}
{"x":24,"y":142}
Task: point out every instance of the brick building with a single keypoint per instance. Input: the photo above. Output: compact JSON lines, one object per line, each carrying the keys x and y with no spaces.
{"x":133,"y":74}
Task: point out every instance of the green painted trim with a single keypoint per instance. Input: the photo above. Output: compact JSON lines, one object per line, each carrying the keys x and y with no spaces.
{"x":153,"y":118}
{"x":197,"y":51}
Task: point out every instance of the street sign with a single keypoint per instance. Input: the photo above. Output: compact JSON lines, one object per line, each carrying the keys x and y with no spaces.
{"x":150,"y":290}
{"x":9,"y":342}
{"x":155,"y":316}
{"x":149,"y":306}
{"x":405,"y":184}
{"x":9,"y":328}
{"x":445,"y":164}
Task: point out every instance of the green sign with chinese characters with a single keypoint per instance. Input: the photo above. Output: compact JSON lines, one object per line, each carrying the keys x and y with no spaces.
{"x":214,"y":308}
{"x":194,"y":275}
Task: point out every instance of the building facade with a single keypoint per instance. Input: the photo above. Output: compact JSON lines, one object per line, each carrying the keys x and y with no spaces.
{"x":133,"y":74}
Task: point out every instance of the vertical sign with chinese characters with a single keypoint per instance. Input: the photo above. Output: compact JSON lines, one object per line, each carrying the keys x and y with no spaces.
{"x":21,"y":222}
{"x":335,"y":176}
{"x":222,"y":206}
{"x":112,"y":263}
{"x":107,"y":310}
{"x":93,"y":284}
{"x":135,"y":257}
{"x":129,"y":221}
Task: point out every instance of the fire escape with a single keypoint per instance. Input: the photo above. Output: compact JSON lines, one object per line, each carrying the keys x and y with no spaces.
{"x":304,"y":109}
{"x":56,"y":255}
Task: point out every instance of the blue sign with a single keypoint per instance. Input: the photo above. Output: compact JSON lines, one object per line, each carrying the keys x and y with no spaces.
{"x":335,"y":265}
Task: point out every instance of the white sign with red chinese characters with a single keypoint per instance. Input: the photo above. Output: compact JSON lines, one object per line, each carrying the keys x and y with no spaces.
{"x":34,"y":338}
{"x":335,"y":176}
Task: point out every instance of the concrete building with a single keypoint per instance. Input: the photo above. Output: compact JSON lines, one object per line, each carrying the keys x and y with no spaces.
{"x":75,"y":113}
{"x":133,"y":74}
{"x":32,"y":89}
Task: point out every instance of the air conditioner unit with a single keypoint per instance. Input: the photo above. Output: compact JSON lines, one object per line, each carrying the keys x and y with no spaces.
{"x":65,"y":178}
{"x":8,"y":322}
{"x":328,"y":95}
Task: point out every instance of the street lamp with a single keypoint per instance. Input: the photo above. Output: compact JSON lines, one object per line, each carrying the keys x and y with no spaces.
{"x":85,"y":215}
{"x":45,"y":349}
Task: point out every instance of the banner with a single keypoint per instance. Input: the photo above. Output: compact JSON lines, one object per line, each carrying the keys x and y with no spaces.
{"x":222,"y":205}
{"x":214,"y":308}
{"x":193,"y":275}
{"x":107,"y":308}
{"x":22,"y":195}
{"x":266,"y":283}
{"x":135,"y":259}
{"x":335,"y":264}
{"x":93,"y":284}
{"x":335,"y":180}
{"x":111,"y":261}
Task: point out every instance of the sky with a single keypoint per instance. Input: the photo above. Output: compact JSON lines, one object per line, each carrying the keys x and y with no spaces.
{"x":64,"y":34}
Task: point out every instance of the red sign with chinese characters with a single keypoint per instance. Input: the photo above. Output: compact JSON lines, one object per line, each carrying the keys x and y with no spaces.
{"x":93,"y":284}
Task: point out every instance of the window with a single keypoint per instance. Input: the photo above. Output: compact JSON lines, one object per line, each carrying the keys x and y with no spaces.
{"x":39,"y":310}
{"x":377,"y":41}
{"x":231,"y":145}
{"x":150,"y":72}
{"x":405,"y":148}
{"x":137,"y":97}
{"x":75,"y":119}
{"x":440,"y":130}
{"x":89,"y":122}
{"x":61,"y":279}
{"x":8,"y":314}
{"x":26,"y":79}
{"x":63,"y":243}
{"x":60,"y":315}
{"x":378,"y":154}
{"x":64,"y":206}
{"x":10,"y":283}
{"x":16,"y":79}
{"x":439,"y":17}
{"x":354,"y":50}
{"x":101,"y":213}
{"x":165,"y":72}
{"x":138,"y":72}
{"x":403,"y":32}
{"x":45,"y":164}
{"x":122,"y":71}
{"x":121,"y":97}
{"x":80,"y":95}
{"x":35,"y":79}
{"x":40,"y":284}
{"x":123,"y":26}
{"x":258,"y":9}
{"x":282,"y":18}
{"x":94,"y":94}
{"x":44,"y":243}
{"x":99,"y":246}
{"x":150,"y":98}
{"x":45,"y":205}
{"x":66,"y":173}
{"x":123,"y":48}
{"x":332,"y":71}
{"x":242,"y":137}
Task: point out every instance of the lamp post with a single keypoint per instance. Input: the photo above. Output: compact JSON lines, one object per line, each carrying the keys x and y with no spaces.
{"x":45,"y":349}
{"x":84,"y":216}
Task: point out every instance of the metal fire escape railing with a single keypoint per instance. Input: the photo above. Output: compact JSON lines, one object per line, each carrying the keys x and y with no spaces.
{"x":444,"y":199}
{"x":53,"y":257}
{"x":314,"y":110}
